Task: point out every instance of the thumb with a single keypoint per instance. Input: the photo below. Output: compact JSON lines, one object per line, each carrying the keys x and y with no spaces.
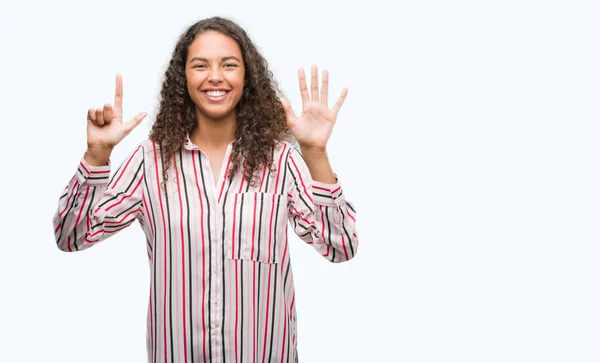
{"x":135,"y":121}
{"x":287,"y":108}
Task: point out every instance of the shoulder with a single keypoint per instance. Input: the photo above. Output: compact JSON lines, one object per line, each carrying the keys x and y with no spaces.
{"x":141,"y":151}
{"x":146,"y":148}
{"x":290,"y":157}
{"x":284,"y":148}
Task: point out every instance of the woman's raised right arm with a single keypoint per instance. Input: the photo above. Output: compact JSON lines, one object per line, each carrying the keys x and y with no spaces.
{"x":91,"y":208}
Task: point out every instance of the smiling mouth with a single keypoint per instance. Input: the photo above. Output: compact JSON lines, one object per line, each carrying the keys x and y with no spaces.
{"x":216,"y":95}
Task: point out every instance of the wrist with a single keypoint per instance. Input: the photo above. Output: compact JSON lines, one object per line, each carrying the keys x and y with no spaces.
{"x":97,"y":156}
{"x":314,"y":150}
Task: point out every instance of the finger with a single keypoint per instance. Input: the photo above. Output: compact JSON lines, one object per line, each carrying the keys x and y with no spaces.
{"x":135,"y":121}
{"x":314,"y":83}
{"x":99,"y":117}
{"x":108,"y":113}
{"x":303,"y":86}
{"x":287,"y":108}
{"x":119,"y":92}
{"x":340,"y":101}
{"x":325,"y":88}
{"x":92,"y":115}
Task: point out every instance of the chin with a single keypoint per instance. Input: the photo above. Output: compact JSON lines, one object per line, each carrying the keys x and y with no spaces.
{"x":216,"y":114}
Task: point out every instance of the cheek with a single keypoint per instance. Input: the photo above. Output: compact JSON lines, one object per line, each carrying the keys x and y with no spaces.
{"x":193,"y":80}
{"x":238,"y":80}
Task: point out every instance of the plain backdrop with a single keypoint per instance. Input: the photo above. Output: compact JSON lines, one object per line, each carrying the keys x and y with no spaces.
{"x":469,"y":144}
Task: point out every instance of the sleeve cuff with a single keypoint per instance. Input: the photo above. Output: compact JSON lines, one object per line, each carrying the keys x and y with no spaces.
{"x":327,"y":194}
{"x":93,"y":175}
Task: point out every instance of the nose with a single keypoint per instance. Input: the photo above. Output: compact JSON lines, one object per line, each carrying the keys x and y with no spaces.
{"x":215,"y":75}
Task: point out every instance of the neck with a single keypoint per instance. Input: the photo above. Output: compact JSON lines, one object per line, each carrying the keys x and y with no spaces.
{"x":214,"y":133}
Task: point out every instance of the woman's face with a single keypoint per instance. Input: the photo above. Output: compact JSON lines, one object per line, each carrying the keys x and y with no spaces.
{"x":215,"y":74}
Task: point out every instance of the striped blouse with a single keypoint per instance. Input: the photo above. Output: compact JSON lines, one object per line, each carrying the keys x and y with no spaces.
{"x":221,"y":286}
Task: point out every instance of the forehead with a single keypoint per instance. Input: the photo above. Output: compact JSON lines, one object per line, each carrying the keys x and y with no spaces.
{"x":212,"y":44}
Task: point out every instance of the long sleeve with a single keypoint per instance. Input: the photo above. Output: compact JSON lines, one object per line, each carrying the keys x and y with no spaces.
{"x":319,"y":212}
{"x":93,"y":208}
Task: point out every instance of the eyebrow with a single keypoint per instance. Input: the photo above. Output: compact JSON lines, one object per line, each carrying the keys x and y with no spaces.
{"x":222,"y":59}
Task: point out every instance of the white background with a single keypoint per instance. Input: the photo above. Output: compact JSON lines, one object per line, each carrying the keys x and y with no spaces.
{"x":468,"y":143}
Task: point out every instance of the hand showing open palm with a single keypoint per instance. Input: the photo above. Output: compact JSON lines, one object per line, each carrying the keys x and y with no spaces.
{"x":313,"y":128}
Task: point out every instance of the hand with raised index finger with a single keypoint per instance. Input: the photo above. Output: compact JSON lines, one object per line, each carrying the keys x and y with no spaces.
{"x":105,"y":127}
{"x":313,"y":127}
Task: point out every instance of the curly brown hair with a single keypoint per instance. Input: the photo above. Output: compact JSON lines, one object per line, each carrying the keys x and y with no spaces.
{"x":261,"y":120}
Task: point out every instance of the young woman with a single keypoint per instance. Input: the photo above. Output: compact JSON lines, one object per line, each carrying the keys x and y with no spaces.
{"x":213,"y":189}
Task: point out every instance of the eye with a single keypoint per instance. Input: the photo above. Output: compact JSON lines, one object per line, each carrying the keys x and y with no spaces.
{"x":229,"y":65}
{"x":199,"y":66}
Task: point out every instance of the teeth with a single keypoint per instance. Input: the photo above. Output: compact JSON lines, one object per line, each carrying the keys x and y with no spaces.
{"x":215,"y":93}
